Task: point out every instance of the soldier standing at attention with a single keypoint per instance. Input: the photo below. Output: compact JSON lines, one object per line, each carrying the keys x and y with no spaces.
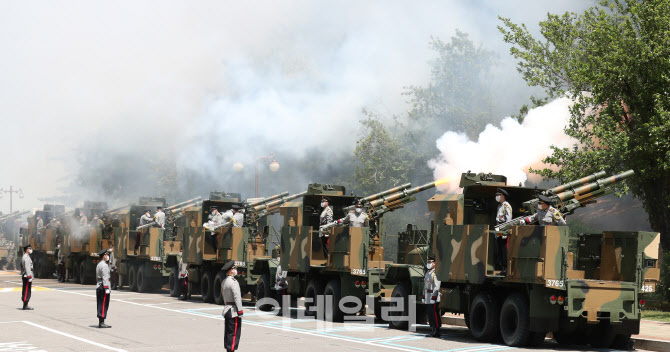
{"x":232,"y":311}
{"x":546,"y":214}
{"x":144,"y":220}
{"x":326,"y":218}
{"x":112,"y":267}
{"x":431,"y":298}
{"x":27,"y":275}
{"x":102,"y":290}
{"x":183,"y":276}
{"x":357,"y":218}
{"x":503,"y":215}
{"x":160,"y":217}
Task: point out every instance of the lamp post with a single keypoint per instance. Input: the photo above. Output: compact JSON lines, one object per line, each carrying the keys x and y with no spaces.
{"x":273,"y":165}
{"x":11,"y":192}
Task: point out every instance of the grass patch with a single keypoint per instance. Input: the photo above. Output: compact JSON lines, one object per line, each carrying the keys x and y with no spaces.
{"x":656,"y":315}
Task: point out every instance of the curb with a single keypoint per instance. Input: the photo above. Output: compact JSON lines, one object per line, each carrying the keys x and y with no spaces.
{"x":640,"y":343}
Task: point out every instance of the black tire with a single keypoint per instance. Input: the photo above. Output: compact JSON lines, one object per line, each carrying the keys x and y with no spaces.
{"x":378,"y":310}
{"x":515,"y":320}
{"x":313,"y":290}
{"x":123,"y":280}
{"x":622,"y":342}
{"x":75,"y":273}
{"x":218,"y":295}
{"x":173,"y":283}
{"x":82,"y":273}
{"x":206,"y":287}
{"x":536,"y":338}
{"x":603,"y":336}
{"x":333,"y":293}
{"x":263,"y":291}
{"x":132,"y":278}
{"x":40,"y":271}
{"x":484,"y":318}
{"x":400,"y":291}
{"x":144,"y":282}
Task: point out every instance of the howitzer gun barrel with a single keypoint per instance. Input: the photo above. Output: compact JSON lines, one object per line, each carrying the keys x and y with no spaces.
{"x":406,"y":192}
{"x":572,"y":184}
{"x":387,"y":192}
{"x":13,"y":215}
{"x":594,"y":186}
{"x":188,"y":202}
{"x":115,"y":210}
{"x":278,"y":202}
{"x":268,"y":199}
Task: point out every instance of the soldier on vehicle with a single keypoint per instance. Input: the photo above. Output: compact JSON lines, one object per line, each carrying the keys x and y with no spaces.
{"x":503,"y":215}
{"x":357,"y":218}
{"x":112,"y":267}
{"x":546,"y":214}
{"x":215,"y":219}
{"x":96,"y":222}
{"x":281,"y":287}
{"x":160,"y":217}
{"x":325,"y":219}
{"x":54,"y":223}
{"x":102,"y":290}
{"x":83,"y":220}
{"x":38,"y":227}
{"x":232,"y":311}
{"x":233,"y":216}
{"x":27,"y":275}
{"x":431,"y":298}
{"x":61,"y":263}
{"x":183,"y":276}
{"x":144,"y":220}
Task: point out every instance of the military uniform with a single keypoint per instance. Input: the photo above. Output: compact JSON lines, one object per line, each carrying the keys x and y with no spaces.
{"x":431,"y":298}
{"x":236,"y":219}
{"x":232,"y":311}
{"x":102,"y":291}
{"x":27,"y":276}
{"x":503,"y":215}
{"x":160,"y":218}
{"x":38,"y":229}
{"x":113,"y":270}
{"x":183,"y":277}
{"x":354,"y":220}
{"x":325,"y":219}
{"x":280,"y":284}
{"x":550,"y":216}
{"x":144,"y":220}
{"x":61,"y":264}
{"x":83,"y":221}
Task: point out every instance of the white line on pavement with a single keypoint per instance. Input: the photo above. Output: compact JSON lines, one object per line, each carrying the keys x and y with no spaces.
{"x":65,"y":334}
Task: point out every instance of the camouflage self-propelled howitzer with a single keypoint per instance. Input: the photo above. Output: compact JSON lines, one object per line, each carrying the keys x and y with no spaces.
{"x":9,"y":239}
{"x":43,"y":238}
{"x":355,"y":261}
{"x":592,"y":295}
{"x":208,"y":246}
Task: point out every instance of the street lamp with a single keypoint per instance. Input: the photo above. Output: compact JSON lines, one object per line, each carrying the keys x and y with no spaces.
{"x":273,"y":165}
{"x":11,"y":192}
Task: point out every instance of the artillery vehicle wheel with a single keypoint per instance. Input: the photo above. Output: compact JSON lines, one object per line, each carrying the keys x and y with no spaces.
{"x":602,"y":336}
{"x":398,"y":320}
{"x":484,"y":318}
{"x":143,"y":282}
{"x":206,"y":287}
{"x":622,"y":342}
{"x":175,"y":288}
{"x":515,"y":320}
{"x":132,"y":278}
{"x":313,"y":290}
{"x":38,"y":266}
{"x":123,"y":280}
{"x":218,"y":280}
{"x":334,"y":294}
{"x":82,"y":273}
{"x":263,"y":291}
{"x":536,"y":338}
{"x":378,"y":310}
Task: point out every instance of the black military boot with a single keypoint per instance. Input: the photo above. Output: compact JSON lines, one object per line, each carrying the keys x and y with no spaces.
{"x":436,"y":333}
{"x":101,"y":324}
{"x":27,"y":307}
{"x":432,"y":331}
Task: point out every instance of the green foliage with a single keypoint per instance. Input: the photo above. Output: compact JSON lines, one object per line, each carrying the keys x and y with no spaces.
{"x":664,"y":287}
{"x":613,"y":61}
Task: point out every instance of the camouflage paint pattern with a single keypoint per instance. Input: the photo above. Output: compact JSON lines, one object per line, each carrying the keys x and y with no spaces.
{"x":462,"y":253}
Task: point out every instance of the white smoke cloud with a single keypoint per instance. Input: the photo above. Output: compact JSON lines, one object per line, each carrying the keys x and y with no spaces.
{"x":507,"y":150}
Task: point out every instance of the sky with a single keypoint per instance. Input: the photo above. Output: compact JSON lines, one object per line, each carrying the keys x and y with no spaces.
{"x":212,"y":83}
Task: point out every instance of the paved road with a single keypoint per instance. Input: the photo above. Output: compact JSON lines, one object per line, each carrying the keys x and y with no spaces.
{"x":64,"y":319}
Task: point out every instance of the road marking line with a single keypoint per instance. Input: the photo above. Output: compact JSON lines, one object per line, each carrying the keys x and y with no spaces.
{"x":70,"y":336}
{"x":273,"y":326}
{"x":18,"y":289}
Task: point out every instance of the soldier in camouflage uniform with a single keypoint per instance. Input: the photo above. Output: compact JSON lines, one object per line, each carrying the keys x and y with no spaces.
{"x":431,"y":298}
{"x":546,"y":214}
{"x":325,"y":219}
{"x":357,"y":218}
{"x":503,"y":215}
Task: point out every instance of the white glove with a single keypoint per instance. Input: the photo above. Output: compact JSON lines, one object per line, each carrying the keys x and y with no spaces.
{"x":107,"y":291}
{"x":30,"y":280}
{"x":522,"y":222}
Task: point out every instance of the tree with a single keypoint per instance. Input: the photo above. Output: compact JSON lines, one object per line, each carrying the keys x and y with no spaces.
{"x":613,"y":61}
